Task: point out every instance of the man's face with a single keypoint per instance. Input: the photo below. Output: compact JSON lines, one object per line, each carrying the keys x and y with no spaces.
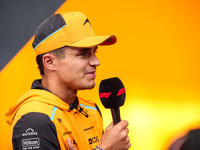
{"x":77,"y":70}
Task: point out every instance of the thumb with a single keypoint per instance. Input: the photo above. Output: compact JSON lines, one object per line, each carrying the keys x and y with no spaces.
{"x":70,"y":144}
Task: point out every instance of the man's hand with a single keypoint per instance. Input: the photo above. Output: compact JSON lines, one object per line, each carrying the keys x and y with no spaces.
{"x":116,"y":137}
{"x":70,"y":144}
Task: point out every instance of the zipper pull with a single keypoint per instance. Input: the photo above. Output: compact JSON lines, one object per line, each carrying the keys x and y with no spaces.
{"x":83,"y":112}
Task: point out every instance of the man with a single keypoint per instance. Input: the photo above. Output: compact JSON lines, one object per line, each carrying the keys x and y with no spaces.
{"x":50,"y":115}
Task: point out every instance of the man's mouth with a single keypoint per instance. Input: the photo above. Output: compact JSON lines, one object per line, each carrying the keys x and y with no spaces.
{"x":91,"y":74}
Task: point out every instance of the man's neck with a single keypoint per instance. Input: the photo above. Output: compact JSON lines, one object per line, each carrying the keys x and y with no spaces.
{"x":65,"y":94}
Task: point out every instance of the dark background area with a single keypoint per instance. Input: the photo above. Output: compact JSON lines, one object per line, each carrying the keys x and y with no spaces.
{"x":18,"y":22}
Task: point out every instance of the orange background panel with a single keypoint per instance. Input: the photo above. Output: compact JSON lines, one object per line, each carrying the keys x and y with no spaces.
{"x":156,"y":57}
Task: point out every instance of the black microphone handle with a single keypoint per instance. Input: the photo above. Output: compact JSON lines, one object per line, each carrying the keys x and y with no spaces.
{"x":115,"y":115}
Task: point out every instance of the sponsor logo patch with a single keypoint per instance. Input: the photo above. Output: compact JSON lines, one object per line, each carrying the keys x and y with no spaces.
{"x":29,"y":131}
{"x":30,"y":139}
{"x":87,"y":129}
{"x":31,"y":143}
{"x":69,"y":132}
{"x":59,"y":120}
{"x":93,"y":140}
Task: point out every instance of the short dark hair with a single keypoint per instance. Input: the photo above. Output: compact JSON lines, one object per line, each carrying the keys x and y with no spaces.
{"x":59,"y":53}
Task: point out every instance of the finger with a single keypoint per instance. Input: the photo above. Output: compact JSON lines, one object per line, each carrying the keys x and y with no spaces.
{"x":125,"y":123}
{"x":127,"y":142}
{"x":126,"y":130}
{"x":121,"y":125}
{"x":70,"y":144}
{"x":128,"y":145}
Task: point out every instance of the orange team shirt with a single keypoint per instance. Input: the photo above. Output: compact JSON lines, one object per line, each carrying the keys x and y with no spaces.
{"x":40,"y":120}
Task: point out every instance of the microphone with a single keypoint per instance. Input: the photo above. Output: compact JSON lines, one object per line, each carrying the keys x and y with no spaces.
{"x":112,"y":95}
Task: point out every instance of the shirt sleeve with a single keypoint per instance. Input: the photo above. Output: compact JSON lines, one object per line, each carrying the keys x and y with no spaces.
{"x":35,"y":131}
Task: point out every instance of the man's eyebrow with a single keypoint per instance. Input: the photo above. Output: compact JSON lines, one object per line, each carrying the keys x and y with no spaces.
{"x":84,"y":49}
{"x":87,"y":49}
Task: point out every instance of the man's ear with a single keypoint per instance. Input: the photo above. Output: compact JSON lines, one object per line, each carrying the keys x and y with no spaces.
{"x":49,"y":61}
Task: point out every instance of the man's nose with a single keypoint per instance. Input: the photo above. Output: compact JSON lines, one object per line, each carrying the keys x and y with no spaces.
{"x":94,"y":61}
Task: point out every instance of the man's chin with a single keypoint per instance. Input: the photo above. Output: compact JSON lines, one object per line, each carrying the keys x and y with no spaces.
{"x":88,"y":87}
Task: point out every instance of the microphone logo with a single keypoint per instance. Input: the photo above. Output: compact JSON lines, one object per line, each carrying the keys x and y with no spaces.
{"x":121,"y":91}
{"x":104,"y":95}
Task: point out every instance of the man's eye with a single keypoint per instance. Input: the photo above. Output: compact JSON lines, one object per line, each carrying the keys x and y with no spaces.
{"x":82,"y":54}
